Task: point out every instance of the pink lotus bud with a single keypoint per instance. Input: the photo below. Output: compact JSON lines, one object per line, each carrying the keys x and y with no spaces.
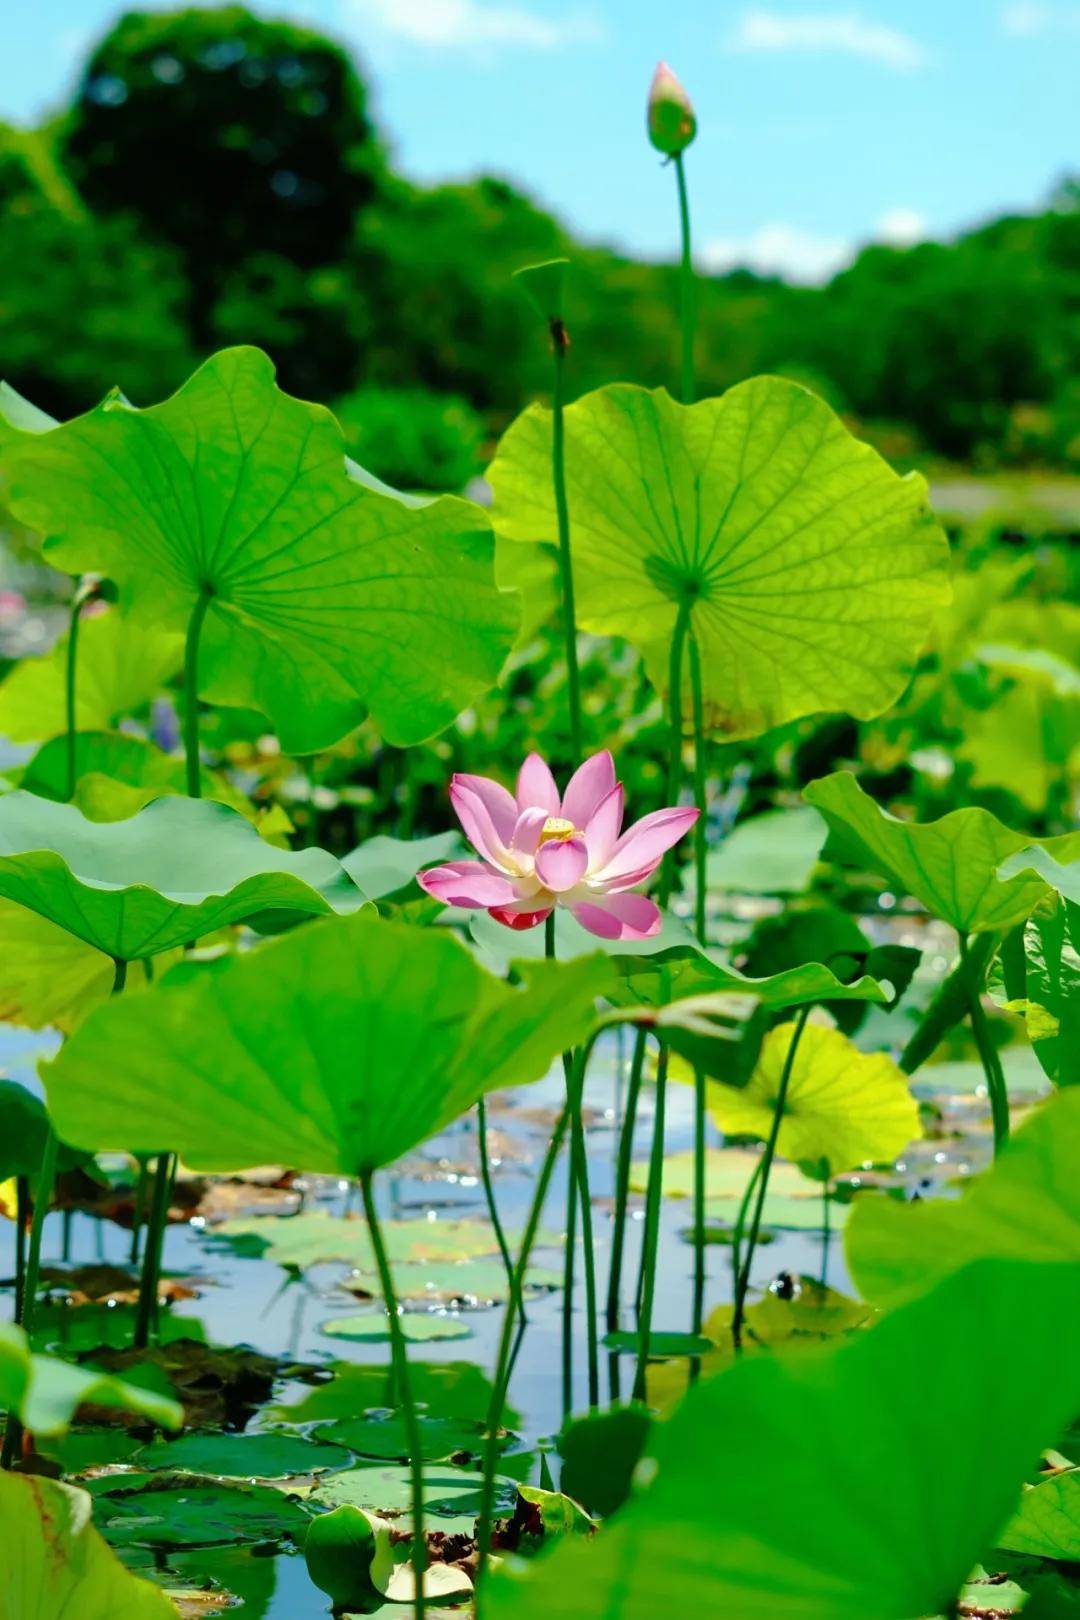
{"x":672,"y":124}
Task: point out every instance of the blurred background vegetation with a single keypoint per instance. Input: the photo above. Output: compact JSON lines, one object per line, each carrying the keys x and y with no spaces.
{"x":218,"y":179}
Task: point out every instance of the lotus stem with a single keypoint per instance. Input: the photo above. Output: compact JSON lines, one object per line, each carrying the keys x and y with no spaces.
{"x":674,"y":782}
{"x":949,"y":1005}
{"x":502,"y":1361}
{"x":142,"y":1187}
{"x":687,"y":310}
{"x":575,"y":1080}
{"x":560,"y":343}
{"x":622,"y":1179}
{"x":42,"y":1199}
{"x":146,"y":1316}
{"x":984,"y":1041}
{"x":70,"y":683}
{"x":740,"y":1227}
{"x":22,"y":1217}
{"x":493,"y":1208}
{"x":401,"y":1363}
{"x":765,"y":1168}
{"x":191,"y":691}
{"x":651,"y":1241}
{"x":826,"y":1229}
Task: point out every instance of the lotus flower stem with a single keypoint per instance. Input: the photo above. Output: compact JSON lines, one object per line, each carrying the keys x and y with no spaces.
{"x":401,"y":1363}
{"x":687,"y":311}
{"x":740,"y":1227}
{"x":560,"y":344}
{"x":502,"y":1361}
{"x":950,"y":1003}
{"x":191,"y":692}
{"x":71,"y":669}
{"x":493,"y":1208}
{"x":651,"y":1240}
{"x":826,"y":1229}
{"x":700,"y":856}
{"x":766,"y":1167}
{"x":569,"y":1257}
{"x":984,"y":1041}
{"x":675,"y":763}
{"x":138,"y":1217}
{"x":22,"y":1216}
{"x":622,"y":1180}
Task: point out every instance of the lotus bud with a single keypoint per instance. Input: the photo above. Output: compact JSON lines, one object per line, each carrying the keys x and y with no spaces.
{"x":671,"y":119}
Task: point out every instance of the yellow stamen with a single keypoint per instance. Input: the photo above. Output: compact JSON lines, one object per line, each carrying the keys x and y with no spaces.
{"x":556,"y":830}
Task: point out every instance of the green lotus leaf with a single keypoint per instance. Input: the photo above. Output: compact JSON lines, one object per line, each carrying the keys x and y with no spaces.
{"x":844,"y":1106}
{"x":1039,"y":861}
{"x":812,"y":568}
{"x":772,"y":853}
{"x":1047,"y":1523}
{"x":727,"y":1171}
{"x":348,"y":1556}
{"x":314,"y":1237}
{"x":1052,"y":985}
{"x":122,"y":665}
{"x":385,"y":1437}
{"x":44,"y":1393}
{"x":242,"y":1456}
{"x":334,"y":1049}
{"x":447,"y":1389}
{"x":380,"y":866}
{"x":24,"y":1129}
{"x":954,"y":866}
{"x":834,"y":1469}
{"x":673,"y":978}
{"x":178,"y":870}
{"x":54,"y":1565}
{"x":187,"y":1510}
{"x":116,"y":775}
{"x":451,"y":1495}
{"x":327,"y":599}
{"x":18,"y":415}
{"x":1025,"y":1206}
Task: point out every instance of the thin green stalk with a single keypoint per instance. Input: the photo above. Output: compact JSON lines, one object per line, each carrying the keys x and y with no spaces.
{"x":138,"y":1217}
{"x":577,"y":1191}
{"x":740,"y":1227}
{"x":191,"y":691}
{"x":698,"y":1312}
{"x":70,"y":683}
{"x":687,"y":312}
{"x":22,"y":1216}
{"x":651,"y":1240}
{"x":502,"y":1361}
{"x":579,"y":1160}
{"x":493,"y":1208}
{"x":42,"y":1199}
{"x":560,"y":344}
{"x":949,"y":1004}
{"x":622,"y":1180}
{"x":988,"y":1054}
{"x":766,"y":1167}
{"x":569,"y":1253}
{"x":401,"y":1362}
{"x":674,"y":782}
{"x":826,"y":1230}
{"x":701,"y":826}
{"x":120,"y":968}
{"x":146,"y":1313}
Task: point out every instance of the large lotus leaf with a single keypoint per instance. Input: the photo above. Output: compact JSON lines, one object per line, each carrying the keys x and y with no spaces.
{"x":844,"y":1106}
{"x":335,"y":1049}
{"x":447,"y":1389}
{"x":1025,"y":1206}
{"x":48,"y":978}
{"x":951,"y":865}
{"x":1052,"y":985}
{"x":327,"y":598}
{"x":812,"y":567}
{"x":772,"y":853}
{"x":122,"y":665}
{"x":674,"y":977}
{"x":382,"y":865}
{"x":189,"y":1510}
{"x":117,"y":774}
{"x":24,"y":1130}
{"x":798,"y":1484}
{"x":179,"y":869}
{"x":1024,"y":742}
{"x":44,"y":1393}
{"x":451,"y":1495}
{"x":55,"y":1566}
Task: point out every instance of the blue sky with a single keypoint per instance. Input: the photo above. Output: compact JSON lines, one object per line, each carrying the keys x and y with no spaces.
{"x":822,"y":125}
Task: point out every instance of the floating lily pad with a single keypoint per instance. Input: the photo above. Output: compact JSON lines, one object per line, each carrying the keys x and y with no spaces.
{"x":45,"y":1393}
{"x":337,"y":1051}
{"x":661,"y":1344}
{"x":181,"y":1510}
{"x":386,"y":1436}
{"x":314,"y":1237}
{"x":418,"y":1327}
{"x":243,"y":1456}
{"x":451,"y":1495}
{"x":812,"y":568}
{"x":237,"y":490}
{"x":447,"y":1389}
{"x":727,"y":1171}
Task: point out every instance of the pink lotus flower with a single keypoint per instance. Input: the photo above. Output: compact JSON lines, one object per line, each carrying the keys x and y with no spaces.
{"x":540,"y":851}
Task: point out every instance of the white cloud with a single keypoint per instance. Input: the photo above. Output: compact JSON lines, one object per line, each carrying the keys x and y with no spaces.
{"x":1027,"y":19}
{"x":483,"y":25}
{"x":806,"y":257}
{"x":846,"y":33}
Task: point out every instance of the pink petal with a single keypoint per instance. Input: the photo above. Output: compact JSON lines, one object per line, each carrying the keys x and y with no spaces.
{"x":474,"y":817}
{"x":497,"y":801}
{"x":588,"y":787}
{"x":467,"y":883}
{"x":518,"y":916}
{"x":536,"y":786}
{"x":603,"y":827}
{"x":619,"y":916}
{"x":641,"y":847}
{"x":562,"y":863}
{"x":527,"y":829}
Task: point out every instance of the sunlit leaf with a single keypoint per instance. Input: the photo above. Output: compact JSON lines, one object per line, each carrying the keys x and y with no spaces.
{"x":845,"y":1106}
{"x":1052,"y":1005}
{"x":47,"y":976}
{"x":54,"y":1565}
{"x":1026,"y":1206}
{"x":328,"y":599}
{"x":1047,"y":1523}
{"x":451,"y":1495}
{"x":117,"y":774}
{"x":834,"y":1469}
{"x":179,"y":869}
{"x":951,"y":865}
{"x":334,"y":1049}
{"x":45,"y":1393}
{"x":813,"y":568}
